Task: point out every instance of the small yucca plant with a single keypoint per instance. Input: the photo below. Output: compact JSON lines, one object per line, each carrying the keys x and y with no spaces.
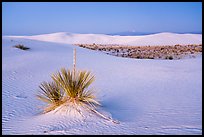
{"x":75,"y":85}
{"x":68,"y":86}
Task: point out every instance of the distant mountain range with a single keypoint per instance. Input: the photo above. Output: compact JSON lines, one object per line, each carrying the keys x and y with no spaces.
{"x":133,"y":33}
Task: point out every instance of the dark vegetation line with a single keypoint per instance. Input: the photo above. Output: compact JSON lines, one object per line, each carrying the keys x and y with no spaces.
{"x":147,"y":52}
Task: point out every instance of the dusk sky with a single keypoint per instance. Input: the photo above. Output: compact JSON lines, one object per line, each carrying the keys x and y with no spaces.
{"x":29,"y":18}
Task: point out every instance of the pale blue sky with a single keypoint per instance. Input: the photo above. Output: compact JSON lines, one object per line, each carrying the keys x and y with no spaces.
{"x":28,"y":18}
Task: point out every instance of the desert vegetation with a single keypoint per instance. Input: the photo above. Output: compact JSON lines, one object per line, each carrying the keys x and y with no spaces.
{"x":69,"y":89}
{"x":22,"y":47}
{"x":147,"y":52}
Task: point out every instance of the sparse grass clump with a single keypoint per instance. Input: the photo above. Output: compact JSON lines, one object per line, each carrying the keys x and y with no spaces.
{"x":68,"y":86}
{"x":22,"y":47}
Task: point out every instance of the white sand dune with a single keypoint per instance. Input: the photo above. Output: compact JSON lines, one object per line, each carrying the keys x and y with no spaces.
{"x":153,"y":39}
{"x":146,"y":96}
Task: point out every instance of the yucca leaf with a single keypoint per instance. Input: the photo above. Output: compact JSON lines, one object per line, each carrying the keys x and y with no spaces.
{"x":43,"y":99}
{"x":50,"y":92}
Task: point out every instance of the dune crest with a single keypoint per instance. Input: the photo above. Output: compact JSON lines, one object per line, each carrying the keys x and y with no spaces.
{"x":164,"y":38}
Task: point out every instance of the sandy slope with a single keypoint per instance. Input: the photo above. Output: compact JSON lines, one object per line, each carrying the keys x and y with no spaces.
{"x":146,"y":96}
{"x":153,"y":39}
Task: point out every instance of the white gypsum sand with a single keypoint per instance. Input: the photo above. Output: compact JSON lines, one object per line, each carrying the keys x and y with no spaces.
{"x":146,"y":96}
{"x":159,"y":39}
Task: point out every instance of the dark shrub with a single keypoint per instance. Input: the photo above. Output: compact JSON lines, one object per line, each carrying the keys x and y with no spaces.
{"x":170,"y":57}
{"x":22,"y":47}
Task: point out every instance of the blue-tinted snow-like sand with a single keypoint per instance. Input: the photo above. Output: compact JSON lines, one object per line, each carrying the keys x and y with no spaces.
{"x":146,"y":96}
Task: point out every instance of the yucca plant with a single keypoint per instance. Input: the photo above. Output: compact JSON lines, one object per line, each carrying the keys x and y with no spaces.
{"x":51,"y":94}
{"x":70,"y":86}
{"x":76,"y":84}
